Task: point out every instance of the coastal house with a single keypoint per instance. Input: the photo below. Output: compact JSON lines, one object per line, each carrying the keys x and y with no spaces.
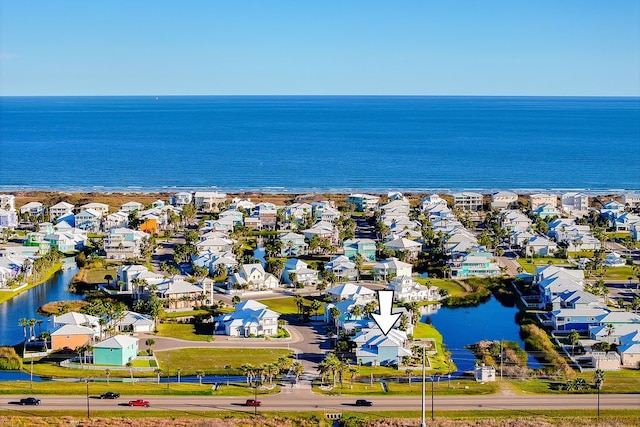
{"x":631,"y":200}
{"x":467,"y":200}
{"x":613,"y":335}
{"x":101,"y":208}
{"x":405,"y":289}
{"x":297,"y":271}
{"x":131,"y":207}
{"x":396,"y":207}
{"x":567,"y":319}
{"x":322,"y":229}
{"x":182,"y":295}
{"x":459,"y":241}
{"x":34,"y":209}
{"x":181,"y":199}
{"x":363,"y":202}
{"x":59,"y":210}
{"x":8,"y":219}
{"x":268,"y":214}
{"x":214,"y":242}
{"x":116,"y":220}
{"x":342,"y":268}
{"x":351,"y":291}
{"x":240,"y":204}
{"x":391,"y":267}
{"x":209,"y":201}
{"x":115,"y":351}
{"x":297,"y":213}
{"x":89,"y":220}
{"x":67,"y":239}
{"x":629,"y":349}
{"x":135,"y":323}
{"x":77,"y":319}
{"x":538,"y":199}
{"x":540,"y":246}
{"x":126,"y":274}
{"x":474,"y":264}
{"x":8,"y":202}
{"x":249,"y":319}
{"x":71,"y":337}
{"x":373,"y":348}
{"x":546,"y":211}
{"x":366,"y":248}
{"x":428,"y":203}
{"x":576,"y":300}
{"x":410,"y":248}
{"x":613,"y":259}
{"x":253,"y":277}
{"x":625,"y":221}
{"x":514,"y":220}
{"x":293,"y":244}
{"x":552,"y":281}
{"x":574,"y":202}
{"x":503,"y":200}
{"x":124,"y":243}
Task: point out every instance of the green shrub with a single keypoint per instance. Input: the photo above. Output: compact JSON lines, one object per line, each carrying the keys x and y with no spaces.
{"x":9,"y":359}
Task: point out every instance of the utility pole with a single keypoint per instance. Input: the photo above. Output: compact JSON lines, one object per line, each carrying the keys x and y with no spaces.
{"x":88,"y":413}
{"x":501,"y":360}
{"x":424,"y":355}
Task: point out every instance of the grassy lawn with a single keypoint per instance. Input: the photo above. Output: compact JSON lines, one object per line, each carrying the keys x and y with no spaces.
{"x":440,"y":388}
{"x":623,"y":381}
{"x":45,"y":369}
{"x":184,"y":331}
{"x":7,"y":295}
{"x":97,"y":275}
{"x":530,"y":266}
{"x":287,"y":305}
{"x":213,"y":360}
{"x":176,"y":314}
{"x":128,"y":389}
{"x":449,"y":285}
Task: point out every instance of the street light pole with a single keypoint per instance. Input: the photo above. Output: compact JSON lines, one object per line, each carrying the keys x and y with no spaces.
{"x":424,"y":355}
{"x":88,"y":413}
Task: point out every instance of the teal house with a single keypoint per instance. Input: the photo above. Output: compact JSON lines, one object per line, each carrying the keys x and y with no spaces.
{"x":365,"y":247}
{"x":115,"y":351}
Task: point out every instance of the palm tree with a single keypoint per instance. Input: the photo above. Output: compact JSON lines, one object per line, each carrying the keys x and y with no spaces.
{"x":610,"y":329}
{"x":228,"y":369}
{"x":335,"y":313}
{"x":297,"y":369}
{"x":108,"y":278}
{"x":315,"y":306}
{"x":409,"y":373}
{"x":356,"y":311}
{"x":150,"y":342}
{"x":24,"y":323}
{"x":200,"y":374}
{"x":158,"y":372}
{"x":573,"y":337}
{"x":248,"y":371}
{"x":107,"y":373}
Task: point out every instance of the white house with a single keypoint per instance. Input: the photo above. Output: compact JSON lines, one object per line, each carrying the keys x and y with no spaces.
{"x":574,"y":201}
{"x":131,"y":207}
{"x":468,"y":201}
{"x":405,"y":289}
{"x":538,"y":199}
{"x":391,"y":267}
{"x":250,"y":318}
{"x":301,"y":271}
{"x":59,"y":210}
{"x":208,"y":201}
{"x":32,"y":208}
{"x":253,"y":277}
{"x":503,"y":200}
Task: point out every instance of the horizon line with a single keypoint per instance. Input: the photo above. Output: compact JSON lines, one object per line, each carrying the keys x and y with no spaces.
{"x":318,"y":95}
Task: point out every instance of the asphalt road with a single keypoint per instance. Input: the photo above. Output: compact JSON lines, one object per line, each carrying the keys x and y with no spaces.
{"x":303,"y":402}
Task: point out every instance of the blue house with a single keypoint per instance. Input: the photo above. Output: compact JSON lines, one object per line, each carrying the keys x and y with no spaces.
{"x":376,"y":349}
{"x":365,"y":247}
{"x":115,"y":351}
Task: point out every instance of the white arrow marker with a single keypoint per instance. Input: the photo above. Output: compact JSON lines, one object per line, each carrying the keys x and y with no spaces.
{"x":385,"y":319}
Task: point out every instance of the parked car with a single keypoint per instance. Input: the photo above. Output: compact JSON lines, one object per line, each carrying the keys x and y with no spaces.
{"x":30,"y":401}
{"x":362,"y":402}
{"x":139,"y":402}
{"x":109,"y":395}
{"x":251,"y":402}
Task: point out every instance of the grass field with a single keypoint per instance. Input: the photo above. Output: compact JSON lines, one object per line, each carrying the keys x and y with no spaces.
{"x":213,"y":360}
{"x":184,"y":331}
{"x":127,"y":388}
{"x":287,"y":305}
{"x":449,"y":285}
{"x":441,"y":387}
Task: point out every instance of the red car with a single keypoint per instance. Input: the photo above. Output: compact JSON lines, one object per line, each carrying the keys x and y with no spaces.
{"x":139,"y":402}
{"x":251,"y":402}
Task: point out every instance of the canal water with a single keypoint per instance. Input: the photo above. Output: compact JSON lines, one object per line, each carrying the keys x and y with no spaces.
{"x":27,"y":303}
{"x":462,"y":326}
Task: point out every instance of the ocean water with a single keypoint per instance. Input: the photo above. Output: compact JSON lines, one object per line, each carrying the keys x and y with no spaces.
{"x":319,"y":143}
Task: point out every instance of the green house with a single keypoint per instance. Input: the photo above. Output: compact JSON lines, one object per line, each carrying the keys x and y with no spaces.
{"x":365,"y":247}
{"x":116,"y":351}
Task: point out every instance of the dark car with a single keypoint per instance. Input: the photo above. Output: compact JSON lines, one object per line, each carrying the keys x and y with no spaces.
{"x":362,"y":402}
{"x":139,"y":402}
{"x":29,"y":401}
{"x":251,"y":402}
{"x":109,"y":395}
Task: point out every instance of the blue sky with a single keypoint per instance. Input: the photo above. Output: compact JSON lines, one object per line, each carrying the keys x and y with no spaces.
{"x":411,"y":47}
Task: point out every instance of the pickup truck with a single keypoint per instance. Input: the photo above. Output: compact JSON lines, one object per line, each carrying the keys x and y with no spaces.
{"x":139,"y":402}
